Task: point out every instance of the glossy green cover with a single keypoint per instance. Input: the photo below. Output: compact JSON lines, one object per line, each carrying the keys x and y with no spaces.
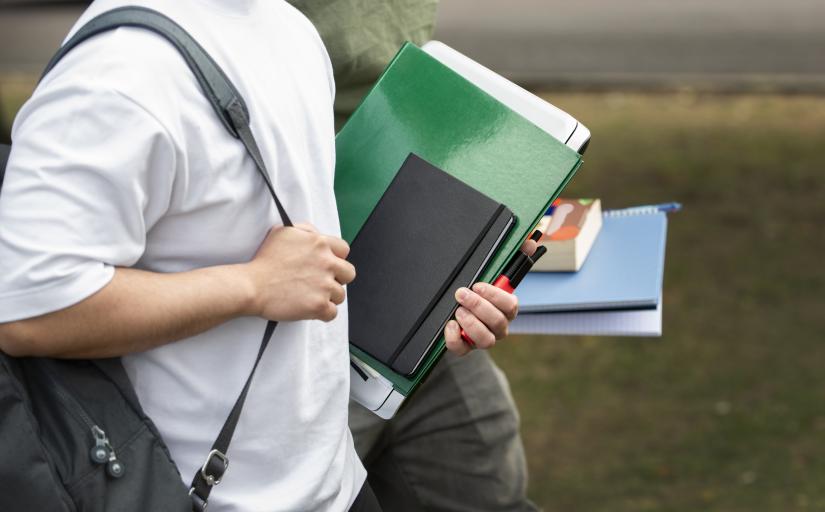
{"x":421,"y":106}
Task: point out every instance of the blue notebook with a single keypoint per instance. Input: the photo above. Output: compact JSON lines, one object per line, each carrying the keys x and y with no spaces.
{"x":624,"y":270}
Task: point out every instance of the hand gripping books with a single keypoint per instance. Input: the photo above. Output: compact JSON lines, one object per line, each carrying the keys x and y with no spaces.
{"x":428,"y":235}
{"x":470,"y":123}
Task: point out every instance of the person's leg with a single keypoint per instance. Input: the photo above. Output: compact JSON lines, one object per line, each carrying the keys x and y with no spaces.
{"x":455,"y":446}
{"x":366,"y":428}
{"x":365,"y":501}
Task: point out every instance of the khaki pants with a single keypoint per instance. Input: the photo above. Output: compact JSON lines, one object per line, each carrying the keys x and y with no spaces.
{"x":454,"y":447}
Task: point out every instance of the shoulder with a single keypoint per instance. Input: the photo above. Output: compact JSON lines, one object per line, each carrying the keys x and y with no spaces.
{"x":134,"y":63}
{"x":94,"y":104}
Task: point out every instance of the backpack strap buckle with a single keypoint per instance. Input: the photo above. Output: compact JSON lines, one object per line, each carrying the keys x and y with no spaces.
{"x":210,"y":474}
{"x":214,"y":467}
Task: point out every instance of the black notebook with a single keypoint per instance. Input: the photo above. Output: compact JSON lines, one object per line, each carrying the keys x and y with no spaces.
{"x":428,"y":235}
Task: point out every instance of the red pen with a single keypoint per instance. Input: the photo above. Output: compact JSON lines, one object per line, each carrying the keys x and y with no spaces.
{"x":512,"y":275}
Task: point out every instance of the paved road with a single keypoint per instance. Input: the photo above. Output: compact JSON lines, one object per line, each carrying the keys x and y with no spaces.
{"x":576,"y":42}
{"x":727,"y":41}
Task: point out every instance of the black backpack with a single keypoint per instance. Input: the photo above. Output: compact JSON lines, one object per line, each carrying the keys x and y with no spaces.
{"x":73,"y":435}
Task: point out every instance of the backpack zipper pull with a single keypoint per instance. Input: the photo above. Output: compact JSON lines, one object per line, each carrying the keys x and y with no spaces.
{"x":114,"y":467}
{"x":100,"y":452}
{"x":104,"y":453}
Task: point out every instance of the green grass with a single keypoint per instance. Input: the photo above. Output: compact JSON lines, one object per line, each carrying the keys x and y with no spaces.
{"x":726,"y":412}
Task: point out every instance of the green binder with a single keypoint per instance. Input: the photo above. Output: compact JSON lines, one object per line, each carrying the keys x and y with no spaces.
{"x":421,"y":106}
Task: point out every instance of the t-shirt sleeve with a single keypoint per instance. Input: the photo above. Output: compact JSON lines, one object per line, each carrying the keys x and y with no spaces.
{"x":89,"y":173}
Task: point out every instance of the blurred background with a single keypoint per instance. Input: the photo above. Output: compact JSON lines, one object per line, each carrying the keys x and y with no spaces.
{"x":717,"y":104}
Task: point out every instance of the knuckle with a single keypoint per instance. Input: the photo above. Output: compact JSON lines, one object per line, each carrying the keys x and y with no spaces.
{"x":499,"y":325}
{"x":451,"y":343}
{"x":319,"y":305}
{"x":468,"y":321}
{"x":493,"y":291}
{"x":319,"y":243}
{"x":328,"y":262}
{"x":449,"y":337}
{"x":454,"y":342}
{"x":512,"y":310}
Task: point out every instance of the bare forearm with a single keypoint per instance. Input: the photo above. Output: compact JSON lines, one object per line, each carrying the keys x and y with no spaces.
{"x":297,"y":274}
{"x":136,"y":311}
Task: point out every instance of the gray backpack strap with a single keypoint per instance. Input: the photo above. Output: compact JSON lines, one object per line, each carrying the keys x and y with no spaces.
{"x":218,"y":89}
{"x":233,"y":113}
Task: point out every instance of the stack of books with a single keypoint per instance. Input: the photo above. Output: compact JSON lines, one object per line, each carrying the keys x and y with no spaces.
{"x":441,"y":173}
{"x":617,"y":291}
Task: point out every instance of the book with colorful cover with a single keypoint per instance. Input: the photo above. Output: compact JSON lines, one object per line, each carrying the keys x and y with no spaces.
{"x":569,"y":245}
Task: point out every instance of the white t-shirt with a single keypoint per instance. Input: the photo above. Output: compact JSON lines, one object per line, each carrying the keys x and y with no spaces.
{"x":119,"y":160}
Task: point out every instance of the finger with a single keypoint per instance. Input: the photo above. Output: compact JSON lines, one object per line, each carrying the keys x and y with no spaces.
{"x":329,"y":313}
{"x":344,"y":271}
{"x":529,"y":247}
{"x":475,"y":328}
{"x":452,"y":338}
{"x":339,"y":247}
{"x":507,"y":303}
{"x":484,"y":310}
{"x":337,"y":294}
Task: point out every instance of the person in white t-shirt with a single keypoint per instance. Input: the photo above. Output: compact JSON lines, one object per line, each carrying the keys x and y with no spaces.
{"x":132,"y":224}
